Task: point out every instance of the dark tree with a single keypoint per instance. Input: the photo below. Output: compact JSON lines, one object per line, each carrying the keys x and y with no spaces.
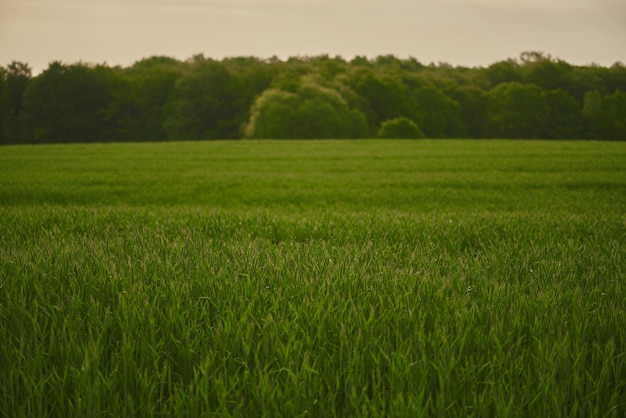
{"x":517,"y":111}
{"x":564,"y":116}
{"x":161,"y":98}
{"x":615,"y":105}
{"x":384,"y":96}
{"x":503,"y":72}
{"x":3,"y":106}
{"x":15,"y":79}
{"x":473,"y":106}
{"x":605,"y":117}
{"x":70,"y":103}
{"x":548,"y":73}
{"x":200,"y":106}
{"x":138,"y":110}
{"x":437,"y":114}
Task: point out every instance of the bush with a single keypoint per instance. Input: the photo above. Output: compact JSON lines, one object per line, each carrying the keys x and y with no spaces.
{"x":402,"y":128}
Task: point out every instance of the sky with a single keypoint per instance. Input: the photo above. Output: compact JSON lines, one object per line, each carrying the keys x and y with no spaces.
{"x":458,"y":32}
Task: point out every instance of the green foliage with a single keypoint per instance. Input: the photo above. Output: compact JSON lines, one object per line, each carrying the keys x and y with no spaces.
{"x":271,"y":115}
{"x":155,"y":63}
{"x":69,"y":103}
{"x":564,"y":115}
{"x":472,"y":102}
{"x":549,"y":74}
{"x":4,"y":108}
{"x":213,"y":99}
{"x":138,"y":110}
{"x":437,"y":114}
{"x":615,"y":105}
{"x":403,"y":128}
{"x":517,"y":111}
{"x":312,"y":112}
{"x":14,"y":80}
{"x":604,"y":116}
{"x":161,"y":98}
{"x":473,"y":278}
{"x":200,"y":105}
{"x":503,"y":72}
{"x":384,"y":96}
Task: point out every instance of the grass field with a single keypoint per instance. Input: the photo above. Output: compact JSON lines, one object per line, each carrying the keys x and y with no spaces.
{"x":321,"y":278}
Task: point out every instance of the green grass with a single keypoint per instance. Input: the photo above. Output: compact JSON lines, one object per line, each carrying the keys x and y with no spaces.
{"x":322,"y":278}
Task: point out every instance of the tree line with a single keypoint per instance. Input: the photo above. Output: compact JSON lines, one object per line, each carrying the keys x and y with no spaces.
{"x":161,"y":98}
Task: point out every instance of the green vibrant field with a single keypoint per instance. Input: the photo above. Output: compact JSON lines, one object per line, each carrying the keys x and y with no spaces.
{"x":321,"y":278}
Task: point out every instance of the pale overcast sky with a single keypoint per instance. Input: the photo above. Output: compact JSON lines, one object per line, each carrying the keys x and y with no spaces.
{"x":459,"y":32}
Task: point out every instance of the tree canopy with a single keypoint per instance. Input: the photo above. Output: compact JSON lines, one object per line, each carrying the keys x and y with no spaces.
{"x":311,"y":112}
{"x":161,"y":98}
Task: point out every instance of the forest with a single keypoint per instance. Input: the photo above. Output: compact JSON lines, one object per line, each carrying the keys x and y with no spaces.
{"x":160,"y":98}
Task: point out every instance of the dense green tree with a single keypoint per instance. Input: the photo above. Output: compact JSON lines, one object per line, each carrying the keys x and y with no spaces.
{"x":473,"y":107}
{"x":438,"y":115}
{"x":213,"y":99}
{"x":360,"y":61}
{"x":548,"y":73}
{"x":312,"y":112}
{"x":564,"y":119}
{"x":594,"y":114}
{"x":139,"y":110}
{"x":605,"y":117}
{"x":157,"y":98}
{"x":615,"y":105}
{"x":384,"y":96}
{"x":517,"y":111}
{"x":616,"y":78}
{"x":403,"y":128}
{"x":3,"y":106}
{"x":289,"y":77}
{"x":15,"y":79}
{"x":157,"y":62}
{"x":272,"y":115}
{"x":328,"y":68}
{"x":69,"y":103}
{"x":200,"y":105}
{"x":249,"y":77}
{"x":503,"y":72}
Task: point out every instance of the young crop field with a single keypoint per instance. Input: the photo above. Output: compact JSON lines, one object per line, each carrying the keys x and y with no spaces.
{"x":313,"y":278}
